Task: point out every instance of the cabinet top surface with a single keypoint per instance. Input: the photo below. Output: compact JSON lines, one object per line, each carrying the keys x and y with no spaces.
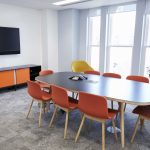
{"x":18,"y":67}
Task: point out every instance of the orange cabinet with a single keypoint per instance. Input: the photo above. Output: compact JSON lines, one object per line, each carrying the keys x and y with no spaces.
{"x":22,"y":75}
{"x":7,"y":78}
{"x":12,"y":76}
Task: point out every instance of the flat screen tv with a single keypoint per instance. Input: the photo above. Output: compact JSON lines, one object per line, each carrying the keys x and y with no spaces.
{"x":9,"y":41}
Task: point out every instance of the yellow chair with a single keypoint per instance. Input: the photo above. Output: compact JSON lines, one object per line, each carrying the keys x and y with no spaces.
{"x":80,"y":66}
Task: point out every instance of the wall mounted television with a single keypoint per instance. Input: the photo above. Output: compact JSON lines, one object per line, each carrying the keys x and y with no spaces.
{"x":9,"y":41}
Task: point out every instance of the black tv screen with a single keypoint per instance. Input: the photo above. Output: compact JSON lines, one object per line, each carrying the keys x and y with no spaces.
{"x":9,"y":41}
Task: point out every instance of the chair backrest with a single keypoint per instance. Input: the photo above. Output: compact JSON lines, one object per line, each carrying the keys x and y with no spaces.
{"x":138,"y":78}
{"x":92,"y":72}
{"x":34,"y":90}
{"x":113,"y":75}
{"x":80,"y":66}
{"x":46,"y":72}
{"x":60,"y":96}
{"x":93,"y":105}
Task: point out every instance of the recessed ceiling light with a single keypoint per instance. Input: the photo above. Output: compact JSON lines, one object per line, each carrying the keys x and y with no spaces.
{"x":64,"y":2}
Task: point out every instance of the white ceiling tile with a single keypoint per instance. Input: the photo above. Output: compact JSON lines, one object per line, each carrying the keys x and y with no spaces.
{"x":46,"y":4}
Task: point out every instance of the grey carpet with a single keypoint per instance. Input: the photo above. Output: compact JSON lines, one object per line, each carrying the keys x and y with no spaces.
{"x":19,"y":133}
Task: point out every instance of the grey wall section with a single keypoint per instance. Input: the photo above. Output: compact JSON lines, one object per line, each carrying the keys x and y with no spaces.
{"x":82,"y":53}
{"x":49,"y":28}
{"x":75,"y":27}
{"x":68,"y":38}
{"x":137,"y":49}
{"x":103,"y":40}
{"x":44,"y":35}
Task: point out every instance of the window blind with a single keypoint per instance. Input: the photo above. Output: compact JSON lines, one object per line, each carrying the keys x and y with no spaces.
{"x":147,"y":7}
{"x":122,"y":8}
{"x":94,"y":12}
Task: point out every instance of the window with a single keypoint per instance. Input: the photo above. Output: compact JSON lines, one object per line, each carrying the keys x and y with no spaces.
{"x":94,"y":41}
{"x":120,"y":39}
{"x":147,"y":47}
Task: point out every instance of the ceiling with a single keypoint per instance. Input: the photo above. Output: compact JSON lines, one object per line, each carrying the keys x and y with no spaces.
{"x":46,"y":4}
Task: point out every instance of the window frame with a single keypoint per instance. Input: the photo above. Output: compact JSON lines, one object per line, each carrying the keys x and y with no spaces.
{"x":109,"y":46}
{"x":90,"y":45}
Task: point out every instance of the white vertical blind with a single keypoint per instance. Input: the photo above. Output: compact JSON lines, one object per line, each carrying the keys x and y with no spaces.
{"x":147,"y":6}
{"x":140,"y":7}
{"x":94,"y":12}
{"x":94,"y":37}
{"x":122,"y":8}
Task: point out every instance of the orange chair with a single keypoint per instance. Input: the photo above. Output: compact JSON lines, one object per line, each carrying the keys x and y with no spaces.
{"x":113,"y":75}
{"x":95,"y":108}
{"x":46,"y":72}
{"x":43,"y":73}
{"x":138,"y":79}
{"x":89,"y":72}
{"x":62,"y":101}
{"x":37,"y":94}
{"x":142,"y":111}
{"x":143,"y":114}
{"x":92,"y":72}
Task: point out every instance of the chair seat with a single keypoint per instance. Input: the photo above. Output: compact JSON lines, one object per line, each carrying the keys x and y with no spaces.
{"x":46,"y":96}
{"x":73,"y":103}
{"x":142,"y":110}
{"x":112,"y":113}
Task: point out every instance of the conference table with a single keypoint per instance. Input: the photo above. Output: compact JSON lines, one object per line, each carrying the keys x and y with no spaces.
{"x":119,"y":90}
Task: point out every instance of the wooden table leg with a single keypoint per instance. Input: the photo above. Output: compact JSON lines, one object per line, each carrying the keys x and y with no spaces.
{"x":122,"y":125}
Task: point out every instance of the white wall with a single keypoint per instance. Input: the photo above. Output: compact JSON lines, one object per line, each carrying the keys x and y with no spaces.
{"x":75,"y":28}
{"x":44,"y":35}
{"x":68,"y":38}
{"x":52,"y":40}
{"x":49,"y":39}
{"x":29,"y":23}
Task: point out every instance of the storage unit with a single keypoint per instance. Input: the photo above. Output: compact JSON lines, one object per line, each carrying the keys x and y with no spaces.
{"x":6,"y":78}
{"x":22,"y":75}
{"x":12,"y":76}
{"x":34,"y":72}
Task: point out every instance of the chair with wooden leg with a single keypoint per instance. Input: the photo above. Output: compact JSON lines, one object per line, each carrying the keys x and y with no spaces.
{"x":45,"y":87}
{"x":38,"y":95}
{"x":92,"y":72}
{"x":113,"y":75}
{"x":143,"y":113}
{"x":138,"y":79}
{"x":95,"y":108}
{"x":44,"y":73}
{"x":62,"y":101}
